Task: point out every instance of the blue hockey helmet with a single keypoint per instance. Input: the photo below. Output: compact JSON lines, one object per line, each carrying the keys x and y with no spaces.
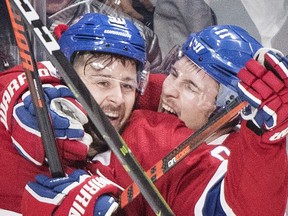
{"x":221,"y":51}
{"x":103,"y":33}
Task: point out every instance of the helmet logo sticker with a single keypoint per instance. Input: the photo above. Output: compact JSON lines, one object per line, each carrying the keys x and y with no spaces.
{"x":223,"y":33}
{"x":123,"y":34}
{"x":118,"y":21}
{"x":197,"y":46}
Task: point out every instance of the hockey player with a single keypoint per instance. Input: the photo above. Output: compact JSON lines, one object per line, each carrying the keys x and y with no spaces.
{"x":237,"y":172}
{"x":109,"y":57}
{"x":254,"y":181}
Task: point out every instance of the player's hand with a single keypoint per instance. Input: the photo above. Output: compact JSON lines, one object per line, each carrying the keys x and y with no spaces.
{"x":266,"y":90}
{"x":67,"y":117}
{"x":76,"y":194}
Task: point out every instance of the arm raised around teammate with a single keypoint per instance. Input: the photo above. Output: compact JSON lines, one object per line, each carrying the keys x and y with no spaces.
{"x":266,"y":89}
{"x":256,"y":179}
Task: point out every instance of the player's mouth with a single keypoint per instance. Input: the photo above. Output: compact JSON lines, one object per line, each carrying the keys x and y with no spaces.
{"x":165,"y":108}
{"x":112,"y":116}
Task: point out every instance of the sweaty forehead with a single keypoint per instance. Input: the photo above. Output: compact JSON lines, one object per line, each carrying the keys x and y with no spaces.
{"x":115,"y":69}
{"x":188,"y":71}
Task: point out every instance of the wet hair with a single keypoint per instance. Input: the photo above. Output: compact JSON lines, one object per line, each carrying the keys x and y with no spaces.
{"x":87,"y":57}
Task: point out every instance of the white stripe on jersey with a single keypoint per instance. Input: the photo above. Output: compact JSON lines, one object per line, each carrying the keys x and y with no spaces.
{"x":4,"y":212}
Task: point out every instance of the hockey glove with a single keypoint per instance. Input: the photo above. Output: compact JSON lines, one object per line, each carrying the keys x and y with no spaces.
{"x":266,"y":90}
{"x":76,"y":194}
{"x":68,"y":118}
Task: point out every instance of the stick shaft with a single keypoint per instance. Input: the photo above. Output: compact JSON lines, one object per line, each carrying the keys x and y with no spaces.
{"x":185,"y":148}
{"x":98,"y":118}
{"x":36,"y":91}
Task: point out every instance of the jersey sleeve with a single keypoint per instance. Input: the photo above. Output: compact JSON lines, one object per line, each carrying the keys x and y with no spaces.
{"x":243,"y":176}
{"x":256,"y":180}
{"x":13,"y":85}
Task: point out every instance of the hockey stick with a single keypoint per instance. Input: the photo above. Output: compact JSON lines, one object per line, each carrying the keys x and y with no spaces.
{"x":37,"y":94}
{"x":98,"y":118}
{"x":223,"y":116}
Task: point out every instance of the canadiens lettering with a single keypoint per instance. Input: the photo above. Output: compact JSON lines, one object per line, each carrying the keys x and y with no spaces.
{"x":85,"y":195}
{"x":10,"y":91}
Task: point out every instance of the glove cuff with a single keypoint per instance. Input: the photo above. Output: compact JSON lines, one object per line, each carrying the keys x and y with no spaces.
{"x":9,"y":100}
{"x":276,"y":135}
{"x":82,"y":199}
{"x":259,"y":131}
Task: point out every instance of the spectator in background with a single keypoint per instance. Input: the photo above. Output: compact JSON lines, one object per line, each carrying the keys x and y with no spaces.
{"x":175,"y":20}
{"x":8,"y":47}
{"x":146,"y":9}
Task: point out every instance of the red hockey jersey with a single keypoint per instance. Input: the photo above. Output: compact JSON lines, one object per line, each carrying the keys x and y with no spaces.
{"x":240,"y":177}
{"x":234,"y":175}
{"x":19,"y":163}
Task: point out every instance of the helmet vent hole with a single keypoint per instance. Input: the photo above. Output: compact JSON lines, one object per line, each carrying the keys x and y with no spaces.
{"x":125,"y":48}
{"x":107,"y":45}
{"x":200,"y":59}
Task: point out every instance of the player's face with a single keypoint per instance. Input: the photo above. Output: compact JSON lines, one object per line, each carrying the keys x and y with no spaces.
{"x":189,"y":93}
{"x":113,"y":86}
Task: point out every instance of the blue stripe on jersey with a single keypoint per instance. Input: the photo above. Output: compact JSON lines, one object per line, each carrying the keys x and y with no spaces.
{"x":212,"y":204}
